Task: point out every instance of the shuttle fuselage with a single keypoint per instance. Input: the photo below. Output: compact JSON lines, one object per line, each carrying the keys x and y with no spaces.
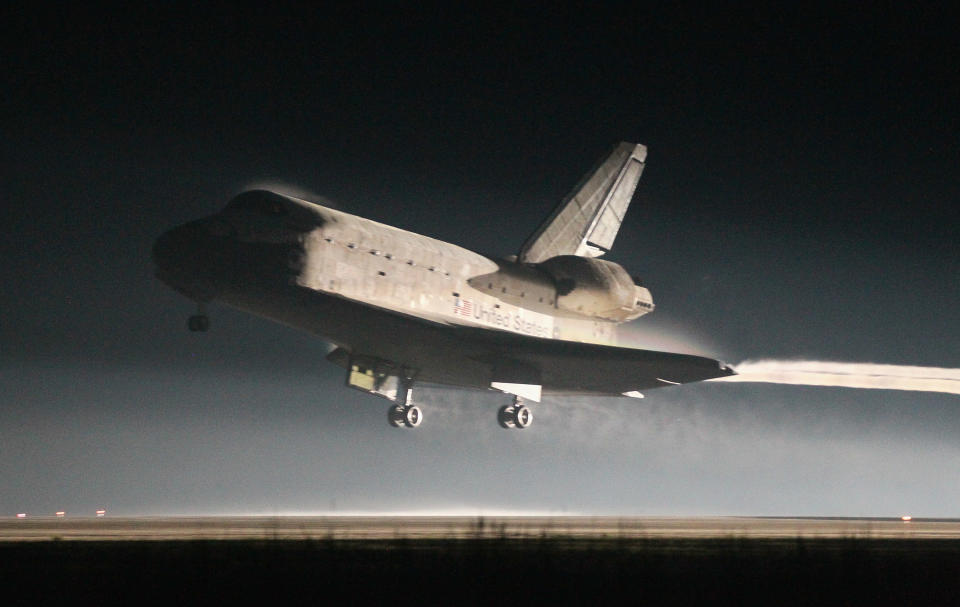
{"x":404,"y":308}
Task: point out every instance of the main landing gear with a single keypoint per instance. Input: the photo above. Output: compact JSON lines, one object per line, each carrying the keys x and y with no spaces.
{"x":199,"y":322}
{"x":516,"y":415}
{"x":403,"y":413}
{"x":385,"y":379}
{"x":405,"y":416}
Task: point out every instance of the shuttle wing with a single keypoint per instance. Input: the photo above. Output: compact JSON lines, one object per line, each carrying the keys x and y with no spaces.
{"x":587,"y":221}
{"x":477,"y":358}
{"x":564,"y":367}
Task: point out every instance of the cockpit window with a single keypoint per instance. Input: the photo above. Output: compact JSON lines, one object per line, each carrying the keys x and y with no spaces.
{"x":260,"y":201}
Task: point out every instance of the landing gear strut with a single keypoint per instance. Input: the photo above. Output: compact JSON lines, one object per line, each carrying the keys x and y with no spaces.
{"x":199,"y":321}
{"x":516,"y":415}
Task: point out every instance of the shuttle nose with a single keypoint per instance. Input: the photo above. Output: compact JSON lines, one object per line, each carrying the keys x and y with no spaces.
{"x":196,"y":258}
{"x":176,"y":249}
{"x":163,"y":248}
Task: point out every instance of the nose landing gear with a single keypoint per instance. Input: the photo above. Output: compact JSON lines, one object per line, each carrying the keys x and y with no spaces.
{"x":516,"y":415}
{"x":199,"y":322}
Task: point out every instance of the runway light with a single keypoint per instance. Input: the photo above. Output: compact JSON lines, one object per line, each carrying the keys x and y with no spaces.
{"x":906,"y":518}
{"x":21,"y":515}
{"x":61,"y":513}
{"x":101,"y":512}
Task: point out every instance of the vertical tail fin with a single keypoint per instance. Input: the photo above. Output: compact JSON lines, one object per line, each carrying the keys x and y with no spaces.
{"x":587,"y":221}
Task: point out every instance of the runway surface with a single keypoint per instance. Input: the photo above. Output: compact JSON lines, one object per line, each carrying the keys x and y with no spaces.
{"x":458,"y":527}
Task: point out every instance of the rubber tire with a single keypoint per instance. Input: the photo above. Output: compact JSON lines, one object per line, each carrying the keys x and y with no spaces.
{"x":395,"y":416}
{"x":505,"y":417}
{"x":413,"y":416}
{"x":522,"y":417}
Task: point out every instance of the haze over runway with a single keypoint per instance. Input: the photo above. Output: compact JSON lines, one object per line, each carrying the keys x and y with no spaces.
{"x":393,"y":528}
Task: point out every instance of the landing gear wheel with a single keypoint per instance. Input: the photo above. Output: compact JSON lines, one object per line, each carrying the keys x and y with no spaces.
{"x":522,"y":417}
{"x":515,"y":415}
{"x":395,"y":416}
{"x":400,"y":416}
{"x":505,"y":417}
{"x":413,"y":416}
{"x":198,"y":322}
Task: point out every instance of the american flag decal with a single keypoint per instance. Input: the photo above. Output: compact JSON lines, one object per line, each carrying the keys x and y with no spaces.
{"x":463,"y":307}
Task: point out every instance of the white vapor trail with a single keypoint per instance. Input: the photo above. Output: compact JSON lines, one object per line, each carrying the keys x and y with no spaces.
{"x":848,"y":375}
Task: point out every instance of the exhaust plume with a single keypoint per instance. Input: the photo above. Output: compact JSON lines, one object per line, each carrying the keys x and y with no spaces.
{"x":848,"y":375}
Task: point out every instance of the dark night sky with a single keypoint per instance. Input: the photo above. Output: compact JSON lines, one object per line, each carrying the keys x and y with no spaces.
{"x":800,"y":201}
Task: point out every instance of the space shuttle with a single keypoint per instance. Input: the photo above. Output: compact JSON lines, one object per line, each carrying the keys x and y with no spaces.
{"x":403,"y":309}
